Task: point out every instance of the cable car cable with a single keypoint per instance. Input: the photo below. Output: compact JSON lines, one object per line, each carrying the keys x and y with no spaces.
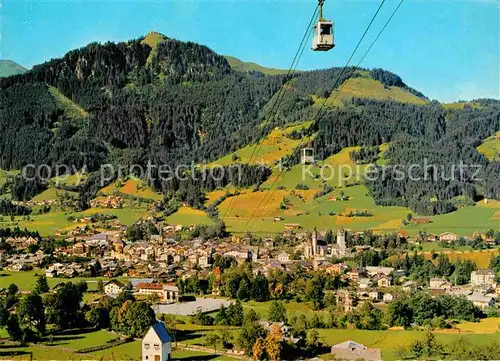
{"x":280,"y":94}
{"x":381,"y":31}
{"x":352,"y":55}
{"x":366,"y":53}
{"x":279,"y":99}
{"x":317,"y":114}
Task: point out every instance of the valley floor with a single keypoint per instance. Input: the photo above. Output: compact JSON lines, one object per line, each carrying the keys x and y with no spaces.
{"x":190,"y":336}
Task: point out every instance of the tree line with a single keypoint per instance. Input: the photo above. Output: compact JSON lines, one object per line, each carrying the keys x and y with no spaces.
{"x":26,"y":316}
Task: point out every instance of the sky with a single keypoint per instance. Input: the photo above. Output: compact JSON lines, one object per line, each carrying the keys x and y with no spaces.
{"x":449,"y":50}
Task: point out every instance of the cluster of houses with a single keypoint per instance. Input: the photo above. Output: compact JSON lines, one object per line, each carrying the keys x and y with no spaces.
{"x":163,"y":292}
{"x":483,"y":290}
{"x":450,"y":237}
{"x":154,"y":265}
{"x":114,"y":202}
{"x":165,"y":259}
{"x":21,"y":243}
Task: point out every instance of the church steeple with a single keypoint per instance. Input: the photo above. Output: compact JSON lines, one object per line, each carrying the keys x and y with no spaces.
{"x":314,"y":241}
{"x":341,"y":241}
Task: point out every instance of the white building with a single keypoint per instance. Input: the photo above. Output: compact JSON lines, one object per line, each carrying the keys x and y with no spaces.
{"x":373,"y":271}
{"x":480,"y":300}
{"x":150,"y":289}
{"x":157,"y":344}
{"x":364,"y":283}
{"x":113,"y":288}
{"x":205,"y":261}
{"x":170,"y":293}
{"x":340,"y":248}
{"x":283,"y":257}
{"x":388,"y":297}
{"x":351,"y":350}
{"x":482,"y":277}
{"x":439,"y":284}
{"x":448,"y":237}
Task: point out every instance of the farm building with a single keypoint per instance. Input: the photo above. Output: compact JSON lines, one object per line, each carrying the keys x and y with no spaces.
{"x":448,"y":237}
{"x":482,"y":277}
{"x":350,"y":350}
{"x":157,"y":344}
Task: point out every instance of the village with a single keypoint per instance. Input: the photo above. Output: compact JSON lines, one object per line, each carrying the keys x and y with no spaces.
{"x":162,"y":260}
{"x":180,"y":272}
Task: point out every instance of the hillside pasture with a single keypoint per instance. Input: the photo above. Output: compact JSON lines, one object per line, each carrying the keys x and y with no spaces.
{"x":187,"y":216}
{"x":480,"y":257}
{"x":6,"y":175}
{"x":70,"y":108}
{"x":47,"y":224}
{"x":464,"y":221}
{"x":268,"y":151}
{"x":365,"y":87}
{"x":71,"y":180}
{"x":132,"y":187}
{"x":490,"y":147}
{"x":244,"y":66}
{"x":324,"y":213}
{"x":53,"y":193}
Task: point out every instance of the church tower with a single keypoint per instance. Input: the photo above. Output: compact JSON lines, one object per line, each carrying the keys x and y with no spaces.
{"x":341,"y":242}
{"x":314,"y":241}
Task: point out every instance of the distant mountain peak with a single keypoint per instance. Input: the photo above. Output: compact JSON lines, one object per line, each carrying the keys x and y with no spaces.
{"x":153,"y":38}
{"x":10,"y":67}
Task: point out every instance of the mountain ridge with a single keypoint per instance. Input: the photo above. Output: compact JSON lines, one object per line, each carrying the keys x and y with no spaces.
{"x":166,"y":101}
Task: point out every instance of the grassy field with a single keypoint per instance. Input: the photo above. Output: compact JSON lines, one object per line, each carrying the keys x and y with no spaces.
{"x":5,"y":175}
{"x":491,"y":147}
{"x":187,"y":216}
{"x":47,"y":224}
{"x":311,"y":213}
{"x":337,"y":170}
{"x":460,"y":105}
{"x":132,"y":187}
{"x":64,"y":347}
{"x":214,"y":195}
{"x":69,"y":179}
{"x":153,"y":39}
{"x":486,"y":325}
{"x":270,"y":149}
{"x":481,"y":258}
{"x":130,"y":351}
{"x":53,"y":193}
{"x":364,"y":87}
{"x":244,"y":66}
{"x":389,"y":340}
{"x":70,"y":108}
{"x":26,"y":280}
{"x":292,"y":308}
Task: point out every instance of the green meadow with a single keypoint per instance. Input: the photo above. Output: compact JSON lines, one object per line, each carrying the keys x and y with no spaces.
{"x":47,"y":224}
{"x":388,"y":341}
{"x":26,"y":280}
{"x":325,"y":213}
{"x":491,"y":147}
{"x":53,"y":193}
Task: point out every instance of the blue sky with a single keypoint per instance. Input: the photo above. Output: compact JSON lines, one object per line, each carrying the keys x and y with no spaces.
{"x":449,"y":50}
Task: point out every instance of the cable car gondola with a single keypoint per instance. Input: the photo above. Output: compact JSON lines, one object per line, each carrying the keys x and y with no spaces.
{"x":322,"y":32}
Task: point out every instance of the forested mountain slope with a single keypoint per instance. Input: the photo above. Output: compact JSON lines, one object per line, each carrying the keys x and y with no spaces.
{"x":163,"y":101}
